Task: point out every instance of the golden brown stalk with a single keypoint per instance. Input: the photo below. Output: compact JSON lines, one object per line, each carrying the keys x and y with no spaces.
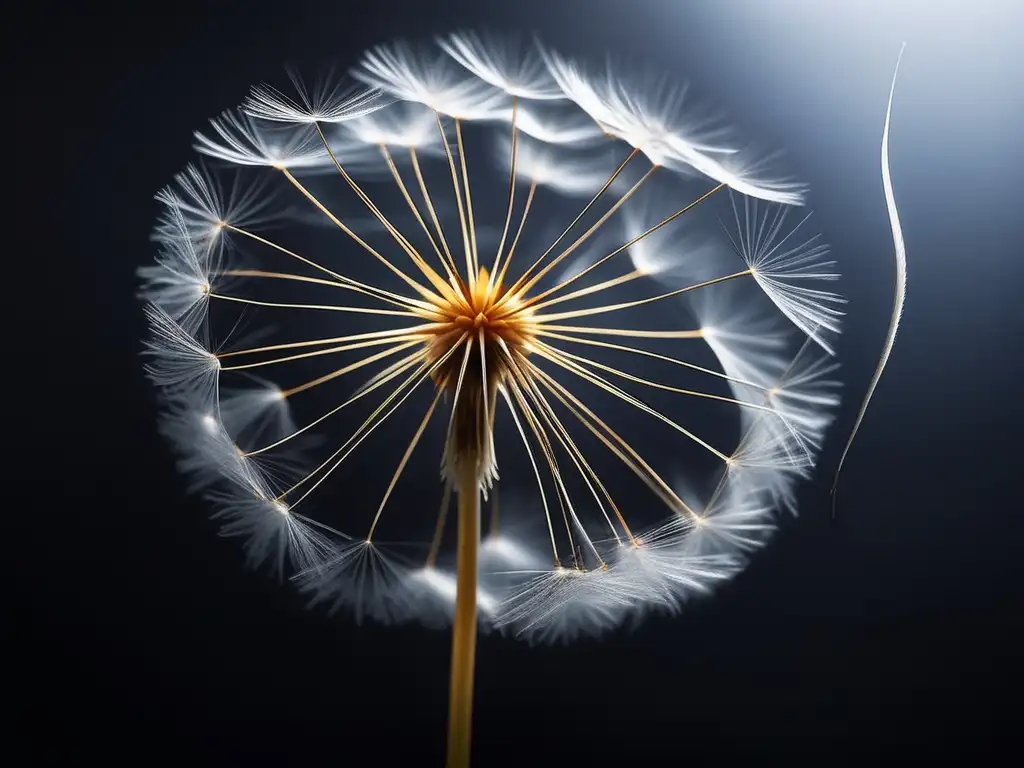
{"x":460,"y":693}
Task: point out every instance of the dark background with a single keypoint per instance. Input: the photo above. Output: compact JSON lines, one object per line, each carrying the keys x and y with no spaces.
{"x":896,"y":629}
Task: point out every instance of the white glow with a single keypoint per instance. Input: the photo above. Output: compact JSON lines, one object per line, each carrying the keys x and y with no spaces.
{"x":506,"y":549}
{"x":446,"y":587}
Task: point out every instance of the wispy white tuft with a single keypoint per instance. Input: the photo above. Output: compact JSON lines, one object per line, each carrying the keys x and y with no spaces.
{"x":182,"y":278}
{"x":205,"y":204}
{"x":783,"y":262}
{"x":404,"y":124}
{"x":556,"y":126}
{"x":241,"y":140}
{"x":739,"y":519}
{"x":663,"y":253}
{"x":360,"y":580}
{"x":749,"y":343}
{"x":661,"y":571}
{"x":654,"y":118}
{"x":431,"y":78}
{"x":177,"y":360}
{"x":548,"y":167}
{"x":326,"y":101}
{"x":273,"y":534}
{"x":657,"y":119}
{"x":562,"y":605}
{"x":255,"y":415}
{"x":504,"y":64}
{"x":436,"y":588}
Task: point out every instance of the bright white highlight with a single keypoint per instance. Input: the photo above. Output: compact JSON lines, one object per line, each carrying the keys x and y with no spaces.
{"x":900,"y":292}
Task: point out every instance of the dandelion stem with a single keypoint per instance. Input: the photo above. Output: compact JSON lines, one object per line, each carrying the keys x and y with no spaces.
{"x":460,"y":692}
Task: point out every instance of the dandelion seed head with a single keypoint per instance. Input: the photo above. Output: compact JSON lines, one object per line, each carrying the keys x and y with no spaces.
{"x":509,"y":287}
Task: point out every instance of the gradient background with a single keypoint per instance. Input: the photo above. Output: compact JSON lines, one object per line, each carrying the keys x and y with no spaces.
{"x":899,"y":628}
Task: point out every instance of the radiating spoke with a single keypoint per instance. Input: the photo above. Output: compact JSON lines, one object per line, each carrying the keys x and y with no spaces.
{"x":470,"y":272}
{"x":590,"y":231}
{"x":432,"y":277}
{"x":580,"y":293}
{"x":367,"y":427}
{"x":396,"y":369}
{"x":452,"y":274}
{"x":611,"y":389}
{"x":347,"y":369}
{"x":425,"y":329}
{"x":433,"y":212}
{"x":326,"y":307}
{"x":319,"y":352}
{"x":655,"y":384}
{"x":646,"y":353}
{"x":424,"y":292}
{"x":619,"y":447}
{"x":500,"y":280}
{"x":536,"y":472}
{"x":628,"y":304}
{"x":625,"y":246}
{"x":405,"y":460}
{"x":442,"y":515}
{"x":565,"y":439}
{"x":363,"y":287}
{"x":637,"y":334}
{"x":469,"y":199}
{"x":565,"y":500}
{"x":511,"y":197}
{"x":611,"y":179}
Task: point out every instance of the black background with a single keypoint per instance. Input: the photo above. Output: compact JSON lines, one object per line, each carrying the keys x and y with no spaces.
{"x":897,"y":629}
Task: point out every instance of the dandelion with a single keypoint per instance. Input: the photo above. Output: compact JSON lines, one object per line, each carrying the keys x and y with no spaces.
{"x":529,"y":302}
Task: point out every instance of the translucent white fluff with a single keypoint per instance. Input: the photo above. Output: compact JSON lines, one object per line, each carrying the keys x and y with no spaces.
{"x":443,"y":268}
